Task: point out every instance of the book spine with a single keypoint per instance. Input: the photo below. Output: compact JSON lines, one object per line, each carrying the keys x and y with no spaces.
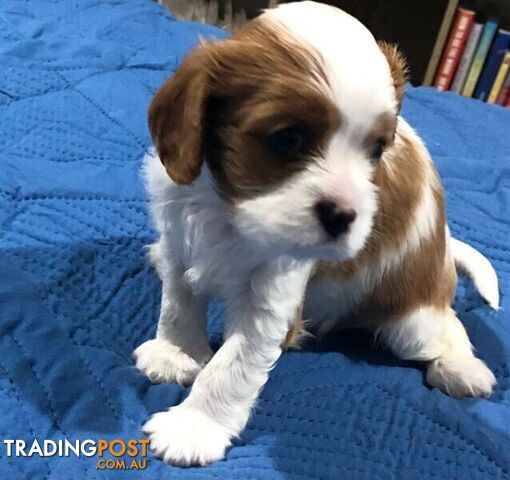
{"x":500,"y":79}
{"x":492,"y":64}
{"x":505,"y":91}
{"x":451,"y":56}
{"x":507,"y":102}
{"x":479,"y":59}
{"x":467,"y":58}
{"x":435,"y":55}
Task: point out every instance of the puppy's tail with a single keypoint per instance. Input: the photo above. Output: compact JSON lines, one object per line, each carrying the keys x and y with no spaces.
{"x":479,"y":269}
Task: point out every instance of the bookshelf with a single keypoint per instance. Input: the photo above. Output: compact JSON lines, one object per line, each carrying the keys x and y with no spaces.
{"x":475,"y":58}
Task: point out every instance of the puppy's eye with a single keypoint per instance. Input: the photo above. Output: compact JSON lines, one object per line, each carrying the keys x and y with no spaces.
{"x":377,"y":150}
{"x":287,"y":142}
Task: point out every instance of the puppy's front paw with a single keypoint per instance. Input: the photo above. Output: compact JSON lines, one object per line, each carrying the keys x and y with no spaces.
{"x":183,"y":436}
{"x":462,"y":377}
{"x":163,"y":362}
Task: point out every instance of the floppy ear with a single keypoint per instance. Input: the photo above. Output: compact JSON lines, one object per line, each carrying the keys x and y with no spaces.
{"x":398,"y":68}
{"x":177,"y":119}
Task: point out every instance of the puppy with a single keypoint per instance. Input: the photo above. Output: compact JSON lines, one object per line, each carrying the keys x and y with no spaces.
{"x":282,"y":171}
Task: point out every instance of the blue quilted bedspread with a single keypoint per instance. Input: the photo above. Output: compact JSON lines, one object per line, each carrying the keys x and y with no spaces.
{"x":77,"y":296}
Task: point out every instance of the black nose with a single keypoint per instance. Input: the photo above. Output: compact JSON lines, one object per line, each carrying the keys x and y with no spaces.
{"x":334,"y":221}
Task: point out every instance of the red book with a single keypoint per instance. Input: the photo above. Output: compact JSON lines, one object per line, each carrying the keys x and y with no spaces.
{"x":452,"y":53}
{"x":504,"y":93}
{"x":507,"y":104}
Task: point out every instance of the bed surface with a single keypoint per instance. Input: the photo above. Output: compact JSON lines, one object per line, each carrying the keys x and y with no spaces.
{"x":77,"y":296}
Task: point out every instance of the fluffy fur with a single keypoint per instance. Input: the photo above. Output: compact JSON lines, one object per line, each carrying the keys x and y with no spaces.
{"x":240,"y":220}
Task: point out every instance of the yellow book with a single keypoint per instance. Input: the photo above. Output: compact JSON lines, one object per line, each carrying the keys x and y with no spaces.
{"x":500,"y":78}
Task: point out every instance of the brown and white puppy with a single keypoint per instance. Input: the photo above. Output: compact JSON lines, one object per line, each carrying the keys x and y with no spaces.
{"x":283,"y":171}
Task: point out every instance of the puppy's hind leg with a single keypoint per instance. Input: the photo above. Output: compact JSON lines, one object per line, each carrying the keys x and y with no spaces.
{"x":180,"y":349}
{"x":438,"y":337}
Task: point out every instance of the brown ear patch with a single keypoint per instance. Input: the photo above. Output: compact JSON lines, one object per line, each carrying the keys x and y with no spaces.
{"x":398,"y":68}
{"x":227,"y":96}
{"x":177,"y":117}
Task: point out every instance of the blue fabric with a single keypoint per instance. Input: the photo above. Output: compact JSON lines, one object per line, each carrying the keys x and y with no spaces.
{"x":77,"y":296}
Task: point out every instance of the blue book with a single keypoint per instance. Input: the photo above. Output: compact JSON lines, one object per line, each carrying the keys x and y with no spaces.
{"x":490,"y":70}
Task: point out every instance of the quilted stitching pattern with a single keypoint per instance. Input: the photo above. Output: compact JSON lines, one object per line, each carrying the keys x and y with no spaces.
{"x":77,"y":295}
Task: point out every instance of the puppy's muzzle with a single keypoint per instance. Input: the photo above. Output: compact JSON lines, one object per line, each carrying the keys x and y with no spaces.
{"x":334,"y":220}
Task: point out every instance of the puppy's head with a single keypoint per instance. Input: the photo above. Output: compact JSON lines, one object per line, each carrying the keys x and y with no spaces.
{"x":292,"y":116}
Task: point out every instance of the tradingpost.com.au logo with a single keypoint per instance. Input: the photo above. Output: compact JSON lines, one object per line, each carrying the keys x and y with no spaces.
{"x":110,"y":454}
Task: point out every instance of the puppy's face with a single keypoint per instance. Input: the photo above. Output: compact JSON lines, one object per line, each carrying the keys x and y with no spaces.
{"x":292,"y":126}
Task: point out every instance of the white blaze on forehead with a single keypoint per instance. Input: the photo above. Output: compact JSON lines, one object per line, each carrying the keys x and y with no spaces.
{"x":358,"y":73}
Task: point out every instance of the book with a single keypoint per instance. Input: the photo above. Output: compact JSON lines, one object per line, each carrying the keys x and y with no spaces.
{"x":457,"y":39}
{"x":440,"y":37}
{"x":491,"y":67}
{"x":505,"y":90}
{"x":467,"y":58}
{"x":507,"y":102}
{"x":482,"y":49}
{"x":500,"y":79}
